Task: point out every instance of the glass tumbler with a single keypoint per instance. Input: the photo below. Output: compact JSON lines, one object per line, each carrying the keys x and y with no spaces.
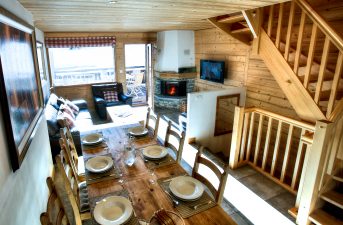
{"x":129,"y":152}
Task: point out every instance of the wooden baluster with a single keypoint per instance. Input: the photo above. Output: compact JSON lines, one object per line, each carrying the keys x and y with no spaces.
{"x":276,"y":148}
{"x":251,"y":131}
{"x":245,"y":135}
{"x":311,"y":55}
{"x":270,"y":21}
{"x":266,"y":146}
{"x":303,"y":172}
{"x":279,"y":26}
{"x":335,"y":84}
{"x":289,"y":30}
{"x":236,"y":136}
{"x":300,"y":43}
{"x":322,"y":69}
{"x":336,"y":142}
{"x":300,"y":155}
{"x":258,"y":139}
{"x":287,"y":152}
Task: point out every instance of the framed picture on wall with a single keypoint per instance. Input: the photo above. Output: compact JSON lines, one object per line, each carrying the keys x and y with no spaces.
{"x":20,"y":87}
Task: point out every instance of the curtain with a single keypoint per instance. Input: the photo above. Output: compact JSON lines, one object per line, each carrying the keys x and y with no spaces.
{"x":80,"y":42}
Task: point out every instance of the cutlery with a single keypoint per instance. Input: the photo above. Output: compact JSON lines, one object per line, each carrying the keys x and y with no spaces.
{"x":171,"y":198}
{"x":159,"y":163}
{"x":111,"y":175}
{"x":202,"y":204}
{"x":168,"y":180}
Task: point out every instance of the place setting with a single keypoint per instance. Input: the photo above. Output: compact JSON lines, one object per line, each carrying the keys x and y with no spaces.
{"x":96,"y":140}
{"x":157,"y":155}
{"x":138,"y":133}
{"x":187,"y":194}
{"x":100,"y":168}
{"x":114,"y":208}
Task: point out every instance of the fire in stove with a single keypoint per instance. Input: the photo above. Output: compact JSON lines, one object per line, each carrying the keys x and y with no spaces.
{"x":172,"y":91}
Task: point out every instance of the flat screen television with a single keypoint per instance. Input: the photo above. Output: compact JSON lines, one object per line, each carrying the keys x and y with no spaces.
{"x":212,"y":70}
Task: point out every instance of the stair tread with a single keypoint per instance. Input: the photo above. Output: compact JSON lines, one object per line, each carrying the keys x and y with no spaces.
{"x":324,"y":218}
{"x":242,"y":30}
{"x":334,"y":198}
{"x":338,"y":177}
{"x":232,"y":19}
{"x":325,"y":95}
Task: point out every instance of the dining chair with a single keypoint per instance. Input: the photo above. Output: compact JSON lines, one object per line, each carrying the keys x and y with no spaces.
{"x":181,"y":140}
{"x":156,"y":120}
{"x":46,"y":218}
{"x":77,"y":192}
{"x":135,"y":89}
{"x":75,"y":160}
{"x":217,"y":194}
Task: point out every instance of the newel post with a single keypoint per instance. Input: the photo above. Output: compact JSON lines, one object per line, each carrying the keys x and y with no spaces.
{"x":236,"y":136}
{"x":314,"y":172}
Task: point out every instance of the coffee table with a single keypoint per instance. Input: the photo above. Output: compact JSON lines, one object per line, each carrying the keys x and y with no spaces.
{"x":123,"y":114}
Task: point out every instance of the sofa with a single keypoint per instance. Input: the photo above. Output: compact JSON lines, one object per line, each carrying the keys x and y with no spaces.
{"x":83,"y":118}
{"x":100,"y":103}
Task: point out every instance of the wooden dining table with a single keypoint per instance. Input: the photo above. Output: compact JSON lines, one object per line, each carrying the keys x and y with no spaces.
{"x":146,"y":197}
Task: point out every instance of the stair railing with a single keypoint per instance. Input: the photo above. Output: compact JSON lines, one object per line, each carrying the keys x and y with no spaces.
{"x":268,"y":141}
{"x":326,"y":83}
{"x":322,"y":164}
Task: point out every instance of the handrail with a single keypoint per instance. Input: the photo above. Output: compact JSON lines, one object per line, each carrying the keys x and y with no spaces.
{"x":307,"y":138}
{"x":337,"y":113}
{"x":322,"y":23}
{"x":285,"y":119}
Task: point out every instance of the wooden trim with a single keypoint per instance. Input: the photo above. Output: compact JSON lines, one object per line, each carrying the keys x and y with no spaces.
{"x":287,"y":153}
{"x":279,"y":26}
{"x":251,"y":131}
{"x":175,"y":75}
{"x":337,"y":113}
{"x":276,"y":148}
{"x":258,"y":139}
{"x":322,"y":23}
{"x":289,"y":82}
{"x":335,"y":83}
{"x":191,"y":140}
{"x":236,"y":136}
{"x":307,"y":138}
{"x":300,"y":43}
{"x":311,"y":55}
{"x":252,"y":17}
{"x":289,"y":30}
{"x":285,"y":119}
{"x":322,"y":68}
{"x":256,"y":44}
{"x":270,"y":21}
{"x":303,"y":173}
{"x":266,"y":146}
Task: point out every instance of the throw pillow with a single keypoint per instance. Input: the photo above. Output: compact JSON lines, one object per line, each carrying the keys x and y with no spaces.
{"x":111,"y":96}
{"x":73,"y":107}
{"x":67,"y":109}
{"x":63,"y":115}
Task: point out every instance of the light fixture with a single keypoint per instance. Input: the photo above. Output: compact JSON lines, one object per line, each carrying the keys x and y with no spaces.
{"x":113,"y":2}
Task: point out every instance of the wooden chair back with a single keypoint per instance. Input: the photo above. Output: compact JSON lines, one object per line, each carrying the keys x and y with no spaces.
{"x":68,"y":141}
{"x":217,"y":194}
{"x":54,"y":200}
{"x":70,"y":182}
{"x":181,"y":139}
{"x":156,"y":121}
{"x":138,"y":79}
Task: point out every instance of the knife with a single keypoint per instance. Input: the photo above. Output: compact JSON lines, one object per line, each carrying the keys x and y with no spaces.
{"x":111,"y":175}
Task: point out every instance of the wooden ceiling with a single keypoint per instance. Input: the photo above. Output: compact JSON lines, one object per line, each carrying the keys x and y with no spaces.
{"x":130,"y":15}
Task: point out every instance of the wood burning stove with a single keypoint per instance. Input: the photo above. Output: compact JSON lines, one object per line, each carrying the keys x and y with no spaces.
{"x":173,"y":88}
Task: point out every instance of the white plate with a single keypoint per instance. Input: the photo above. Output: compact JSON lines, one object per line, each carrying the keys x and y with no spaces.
{"x":113,"y":210}
{"x":138,"y":131}
{"x":187,"y":188}
{"x":92,"y":139}
{"x":155,"y":152}
{"x":99,"y":164}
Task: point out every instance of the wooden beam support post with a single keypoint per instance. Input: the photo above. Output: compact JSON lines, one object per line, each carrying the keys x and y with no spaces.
{"x":236,"y":136}
{"x":253,"y":19}
{"x":314,"y":172}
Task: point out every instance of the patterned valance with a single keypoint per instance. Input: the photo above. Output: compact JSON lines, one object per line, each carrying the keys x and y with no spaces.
{"x":72,"y":42}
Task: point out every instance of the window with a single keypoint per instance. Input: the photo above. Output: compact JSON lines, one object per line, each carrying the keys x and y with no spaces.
{"x":81,"y":65}
{"x":41,"y":61}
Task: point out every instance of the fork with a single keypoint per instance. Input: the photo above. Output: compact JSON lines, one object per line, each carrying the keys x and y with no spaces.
{"x":199,"y":205}
{"x":159,"y":163}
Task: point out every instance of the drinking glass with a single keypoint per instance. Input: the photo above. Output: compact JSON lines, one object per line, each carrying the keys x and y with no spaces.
{"x":152,"y":170}
{"x":120,"y":169}
{"x":129,"y":152}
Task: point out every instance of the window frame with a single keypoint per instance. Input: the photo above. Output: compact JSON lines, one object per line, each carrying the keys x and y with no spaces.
{"x":40,"y":45}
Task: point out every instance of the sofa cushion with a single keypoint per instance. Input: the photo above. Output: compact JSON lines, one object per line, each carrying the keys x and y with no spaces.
{"x":83,"y":114}
{"x":110,"y":96}
{"x":63,"y":115}
{"x":53,"y":101}
{"x":73,"y":107}
{"x":67,"y":109}
{"x":51,"y":119}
